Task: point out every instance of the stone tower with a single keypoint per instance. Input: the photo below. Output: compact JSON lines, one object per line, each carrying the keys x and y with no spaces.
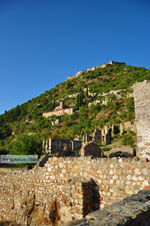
{"x":141,"y":92}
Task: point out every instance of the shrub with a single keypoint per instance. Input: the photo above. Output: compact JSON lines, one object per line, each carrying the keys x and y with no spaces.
{"x":27,"y":145}
{"x":3,"y":150}
{"x":106,"y":149}
{"x":77,"y":152}
{"x":130,"y":104}
{"x":127,"y":140}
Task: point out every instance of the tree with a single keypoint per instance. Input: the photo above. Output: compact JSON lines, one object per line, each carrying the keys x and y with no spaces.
{"x":27,"y":145}
{"x":54,"y":104}
{"x":5,"y":131}
{"x":3,"y":150}
{"x":80,"y":98}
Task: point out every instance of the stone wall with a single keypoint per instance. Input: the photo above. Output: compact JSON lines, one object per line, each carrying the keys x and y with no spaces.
{"x":61,"y":146}
{"x":58,"y":112}
{"x":142,"y":109}
{"x":91,"y":149}
{"x":132,"y":211}
{"x":69,"y":188}
{"x":111,"y":62}
{"x":115,"y":62}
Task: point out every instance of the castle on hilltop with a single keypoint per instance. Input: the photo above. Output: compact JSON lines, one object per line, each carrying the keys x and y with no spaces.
{"x":111,"y":62}
{"x":71,"y":188}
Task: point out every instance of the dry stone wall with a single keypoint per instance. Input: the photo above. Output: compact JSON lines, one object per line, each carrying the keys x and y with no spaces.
{"x":69,"y":188}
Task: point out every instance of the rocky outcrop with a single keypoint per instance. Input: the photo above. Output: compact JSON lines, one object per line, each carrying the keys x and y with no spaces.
{"x":132,"y":211}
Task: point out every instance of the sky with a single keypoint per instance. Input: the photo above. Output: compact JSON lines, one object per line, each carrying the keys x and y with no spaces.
{"x":42,"y":42}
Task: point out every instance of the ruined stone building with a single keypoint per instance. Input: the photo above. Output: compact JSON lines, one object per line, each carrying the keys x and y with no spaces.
{"x":141,"y":93}
{"x":111,"y":62}
{"x":142,"y":109}
{"x":59,"y":110}
{"x":70,"y":188}
{"x":61,"y":146}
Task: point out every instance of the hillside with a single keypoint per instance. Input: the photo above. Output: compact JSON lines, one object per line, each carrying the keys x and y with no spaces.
{"x":99,"y":97}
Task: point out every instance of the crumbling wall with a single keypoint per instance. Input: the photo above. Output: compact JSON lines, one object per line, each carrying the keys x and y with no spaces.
{"x":58,"y":112}
{"x":59,"y":191}
{"x":111,"y":62}
{"x":91,"y":149}
{"x":61,"y":146}
{"x":142,"y":109}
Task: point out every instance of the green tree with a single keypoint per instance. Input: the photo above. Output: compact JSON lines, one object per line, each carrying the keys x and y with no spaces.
{"x":80,"y":98}
{"x":27,"y":145}
{"x":5,"y":131}
{"x":54,"y":104}
{"x":3,"y":150}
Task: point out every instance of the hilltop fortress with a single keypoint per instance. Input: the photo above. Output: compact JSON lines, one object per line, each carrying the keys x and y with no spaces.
{"x":141,"y":93}
{"x":111,"y":62}
{"x":61,"y":189}
{"x":61,"y":108}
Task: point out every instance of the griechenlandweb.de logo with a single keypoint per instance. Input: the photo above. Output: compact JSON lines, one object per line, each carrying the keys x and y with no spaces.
{"x":18,"y":159}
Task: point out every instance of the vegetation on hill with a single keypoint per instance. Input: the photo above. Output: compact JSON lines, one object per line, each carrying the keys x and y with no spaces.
{"x":27,"y":118}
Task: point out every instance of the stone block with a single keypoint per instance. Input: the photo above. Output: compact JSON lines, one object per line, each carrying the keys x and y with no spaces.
{"x":147,"y":188}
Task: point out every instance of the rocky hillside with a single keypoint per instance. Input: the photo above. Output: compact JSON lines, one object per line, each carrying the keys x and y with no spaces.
{"x":99,"y":97}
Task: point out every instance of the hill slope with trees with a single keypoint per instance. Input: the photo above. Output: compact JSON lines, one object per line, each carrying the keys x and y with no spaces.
{"x":94,"y":103}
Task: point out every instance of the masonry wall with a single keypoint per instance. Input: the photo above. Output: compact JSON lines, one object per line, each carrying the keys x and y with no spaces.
{"x":61,"y":146}
{"x":142,"y":109}
{"x":70,"y":188}
{"x":58,"y":112}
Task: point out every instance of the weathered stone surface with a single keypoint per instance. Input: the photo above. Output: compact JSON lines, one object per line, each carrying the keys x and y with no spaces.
{"x":142,"y":109}
{"x":91,"y":149}
{"x":59,"y":110}
{"x":133,"y":211}
{"x":61,"y":147}
{"x":59,"y":188}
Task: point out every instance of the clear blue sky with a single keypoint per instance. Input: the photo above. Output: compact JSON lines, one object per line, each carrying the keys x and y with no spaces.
{"x":42,"y":42}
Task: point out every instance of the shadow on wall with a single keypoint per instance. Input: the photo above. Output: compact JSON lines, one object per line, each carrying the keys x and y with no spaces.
{"x":8,"y":223}
{"x":143,"y":219}
{"x":43,"y":160}
{"x":122,"y":154}
{"x":91,"y":197}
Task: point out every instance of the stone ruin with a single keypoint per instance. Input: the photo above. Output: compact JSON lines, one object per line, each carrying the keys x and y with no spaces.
{"x":102,"y":137}
{"x":64,"y":147}
{"x":91,"y":149}
{"x":66,"y":189}
{"x":59,"y":110}
{"x":61,"y":146}
{"x":131,"y":211}
{"x":111,"y":62}
{"x":56,"y":122}
{"x":141,"y":92}
{"x":86,"y":138}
